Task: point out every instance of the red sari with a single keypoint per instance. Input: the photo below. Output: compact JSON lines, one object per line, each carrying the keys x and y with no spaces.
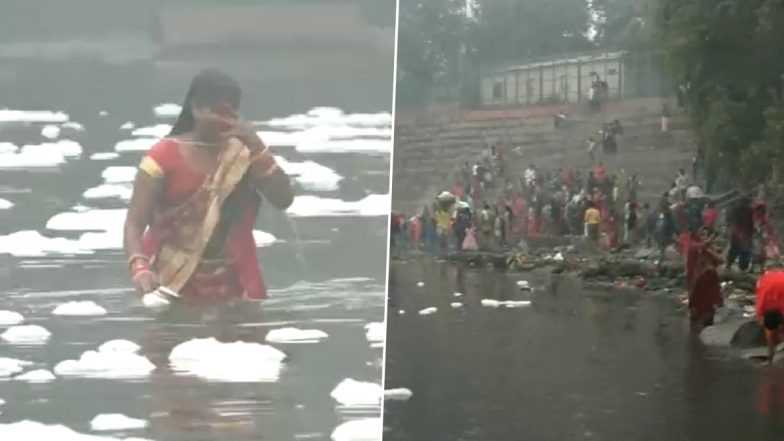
{"x":703,"y":282}
{"x":232,"y":271}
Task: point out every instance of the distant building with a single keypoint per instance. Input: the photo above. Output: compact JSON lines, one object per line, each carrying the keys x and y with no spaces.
{"x":564,"y":80}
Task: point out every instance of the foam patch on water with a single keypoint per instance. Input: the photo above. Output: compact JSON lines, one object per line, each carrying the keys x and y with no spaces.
{"x":12,"y":366}
{"x":49,"y":154}
{"x":109,"y":191}
{"x":119,"y":174}
{"x":7,"y":147}
{"x":428,"y":311}
{"x":73,"y":125}
{"x":26,"y":334}
{"x":314,"y":206}
{"x":5,"y":204}
{"x":321,"y":116}
{"x":128,"y":126}
{"x":398,"y":394}
{"x":104,"y":156}
{"x":115,"y":359}
{"x":366,"y":429}
{"x":36,"y":376}
{"x":210,"y":359}
{"x":294,"y":335}
{"x":375,"y":332}
{"x":10,"y":318}
{"x":95,"y":220}
{"x":135,"y":145}
{"x":32,"y":430}
{"x":263,"y":239}
{"x":7,"y":115}
{"x":76,"y":308}
{"x":167,"y":110}
{"x":33,"y":244}
{"x":311,"y":175}
{"x":156,"y":131}
{"x":507,"y":303}
{"x":456,"y":305}
{"x":50,"y":132}
{"x":116,"y":421}
{"x":354,"y":393}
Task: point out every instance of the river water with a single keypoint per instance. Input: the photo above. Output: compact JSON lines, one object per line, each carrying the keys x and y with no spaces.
{"x":60,"y":237}
{"x":572,"y":365}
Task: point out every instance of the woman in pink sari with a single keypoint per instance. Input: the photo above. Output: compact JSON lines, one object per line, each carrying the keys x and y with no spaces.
{"x":415,"y":231}
{"x":189,"y":227}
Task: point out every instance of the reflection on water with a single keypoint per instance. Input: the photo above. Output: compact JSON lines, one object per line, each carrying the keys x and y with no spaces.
{"x":573,"y":365}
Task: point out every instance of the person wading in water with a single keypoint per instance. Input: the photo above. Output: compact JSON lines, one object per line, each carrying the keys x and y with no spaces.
{"x":769,"y":305}
{"x":197,"y":193}
{"x":702,"y":278}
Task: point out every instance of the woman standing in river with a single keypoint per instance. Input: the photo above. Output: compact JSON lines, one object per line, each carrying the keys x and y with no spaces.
{"x":702,"y":277}
{"x":189,"y":226}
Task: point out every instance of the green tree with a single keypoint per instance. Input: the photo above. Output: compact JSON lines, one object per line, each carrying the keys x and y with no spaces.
{"x":431,"y":38}
{"x":727,"y":59}
{"x":624,"y":24}
{"x":518,"y":29}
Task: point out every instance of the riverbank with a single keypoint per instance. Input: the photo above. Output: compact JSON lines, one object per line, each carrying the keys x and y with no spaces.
{"x":630,"y":268}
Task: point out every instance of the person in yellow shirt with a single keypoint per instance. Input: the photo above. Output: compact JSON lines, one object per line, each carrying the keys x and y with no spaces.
{"x":443,"y":227}
{"x":591,"y":221}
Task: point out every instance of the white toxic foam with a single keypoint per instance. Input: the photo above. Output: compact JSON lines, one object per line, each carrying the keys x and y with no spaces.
{"x":36,"y":376}
{"x":320,"y":116}
{"x":7,"y":115}
{"x":103,"y":113}
{"x":5,"y":204}
{"x":135,"y":145}
{"x":354,"y":393}
{"x":10,"y":318}
{"x":263,"y":239}
{"x":104,"y":156}
{"x":31,"y":156}
{"x":76,"y":308}
{"x":366,"y":429}
{"x":73,"y":125}
{"x":119,"y":174}
{"x":375,"y":332}
{"x":128,"y":126}
{"x":50,"y":132}
{"x":313,"y":206}
{"x":108,"y":191}
{"x":428,"y":311}
{"x":26,"y":334}
{"x":33,"y":244}
{"x":420,"y":284}
{"x":12,"y":366}
{"x":507,"y":303}
{"x":7,"y":147}
{"x":294,"y":335}
{"x":398,"y":394}
{"x":456,"y":305}
{"x":156,"y":131}
{"x":115,"y":359}
{"x":93,"y":220}
{"x":231,"y":362}
{"x":116,"y":421}
{"x":311,"y":175}
{"x":32,"y":430}
{"x":167,"y":110}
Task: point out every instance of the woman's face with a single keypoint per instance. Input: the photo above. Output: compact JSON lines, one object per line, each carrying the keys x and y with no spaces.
{"x":218,"y":118}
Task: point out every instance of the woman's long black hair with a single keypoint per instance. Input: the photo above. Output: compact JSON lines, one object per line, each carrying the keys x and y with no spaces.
{"x":209,"y":87}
